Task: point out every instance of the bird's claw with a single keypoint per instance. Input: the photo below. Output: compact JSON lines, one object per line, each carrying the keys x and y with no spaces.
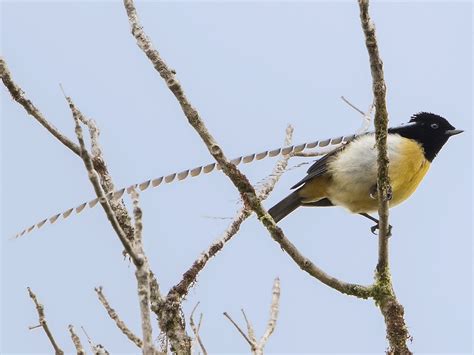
{"x":375,"y":228}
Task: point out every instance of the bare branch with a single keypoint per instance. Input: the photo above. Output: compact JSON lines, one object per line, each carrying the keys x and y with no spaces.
{"x":252,"y":345}
{"x":94,"y":178}
{"x":98,"y":349}
{"x":43,"y":323}
{"x":132,"y":245}
{"x":240,"y":181}
{"x":196,"y":329}
{"x":76,"y":341}
{"x":365,"y":125}
{"x":190,"y":276}
{"x":352,"y":105}
{"x":381,"y":127}
{"x":250,"y":330}
{"x":274,"y":308}
{"x":114,"y":316}
{"x":367,"y":116}
{"x":258,"y":346}
{"x":143,"y":278}
{"x":19,"y":96}
{"x":393,"y":312}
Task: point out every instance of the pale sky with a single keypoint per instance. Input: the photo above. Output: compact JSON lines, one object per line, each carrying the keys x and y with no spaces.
{"x":250,"y":68}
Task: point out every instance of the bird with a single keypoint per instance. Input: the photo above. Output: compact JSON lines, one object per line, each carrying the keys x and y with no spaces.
{"x":347,"y":176}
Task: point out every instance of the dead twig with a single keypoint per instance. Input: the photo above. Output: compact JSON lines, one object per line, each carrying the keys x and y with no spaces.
{"x":43,"y":323}
{"x":132,"y":244}
{"x":240,"y":181}
{"x":365,"y":125}
{"x":94,"y":179}
{"x":197,"y":328}
{"x":257,"y":347}
{"x":19,"y":96}
{"x":190,"y":276}
{"x":98,"y":349}
{"x":239,"y":330}
{"x":274,"y":309}
{"x":76,"y":341}
{"x":114,"y":316}
{"x":143,"y":275}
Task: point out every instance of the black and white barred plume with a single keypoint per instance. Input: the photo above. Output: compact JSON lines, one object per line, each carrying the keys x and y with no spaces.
{"x":205,"y":169}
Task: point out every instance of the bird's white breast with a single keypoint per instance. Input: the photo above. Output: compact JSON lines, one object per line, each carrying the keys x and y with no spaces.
{"x":354,"y":171}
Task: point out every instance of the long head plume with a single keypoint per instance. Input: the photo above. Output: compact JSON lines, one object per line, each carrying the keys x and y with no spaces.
{"x":185,"y":174}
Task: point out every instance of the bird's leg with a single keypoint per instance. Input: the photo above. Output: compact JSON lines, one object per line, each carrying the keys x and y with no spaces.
{"x":373,"y":192}
{"x":373,"y":195}
{"x":376,"y":226}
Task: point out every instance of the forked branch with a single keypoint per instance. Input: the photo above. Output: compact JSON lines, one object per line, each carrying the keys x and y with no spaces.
{"x":115,"y":317}
{"x":44,"y":324}
{"x":190,"y":276}
{"x":240,"y":181}
{"x":76,"y":341}
{"x":257,"y":346}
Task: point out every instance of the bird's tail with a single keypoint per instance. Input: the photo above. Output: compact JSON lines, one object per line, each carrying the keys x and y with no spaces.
{"x":285,"y":206}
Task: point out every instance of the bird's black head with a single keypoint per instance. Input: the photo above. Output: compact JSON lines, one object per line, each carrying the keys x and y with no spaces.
{"x":430,"y":130}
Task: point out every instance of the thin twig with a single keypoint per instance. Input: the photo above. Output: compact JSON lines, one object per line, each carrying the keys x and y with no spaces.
{"x":367,"y":116}
{"x":169,"y":312}
{"x":44,"y":323}
{"x":365,"y":125}
{"x":250,"y":330}
{"x":114,"y":316}
{"x":240,"y":181}
{"x":98,"y":349}
{"x":240,"y":330}
{"x":94,"y":178}
{"x":352,"y":105}
{"x":76,"y":341}
{"x":257,"y":346}
{"x":274,"y":308}
{"x":89,"y":340}
{"x":197,"y":329}
{"x":392,"y":310}
{"x":142,"y":275}
{"x":190,"y":276}
{"x":131,"y":244}
{"x":19,"y":96}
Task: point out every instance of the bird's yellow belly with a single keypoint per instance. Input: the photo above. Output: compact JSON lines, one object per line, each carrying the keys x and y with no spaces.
{"x":407,"y":168}
{"x":359,"y":201}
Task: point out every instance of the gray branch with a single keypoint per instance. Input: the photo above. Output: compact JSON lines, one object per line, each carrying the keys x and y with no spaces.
{"x":383,"y":293}
{"x":43,"y":323}
{"x":240,"y":181}
{"x":76,"y":341}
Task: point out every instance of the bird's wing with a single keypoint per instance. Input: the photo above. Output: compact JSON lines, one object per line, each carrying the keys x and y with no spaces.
{"x":320,"y":167}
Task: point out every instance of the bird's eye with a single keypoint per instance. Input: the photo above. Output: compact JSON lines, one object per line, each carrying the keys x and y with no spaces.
{"x":434,"y":125}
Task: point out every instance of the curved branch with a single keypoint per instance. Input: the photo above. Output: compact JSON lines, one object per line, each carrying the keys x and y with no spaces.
{"x":239,"y":180}
{"x":115,"y":317}
{"x":19,"y":96}
{"x":190,"y":276}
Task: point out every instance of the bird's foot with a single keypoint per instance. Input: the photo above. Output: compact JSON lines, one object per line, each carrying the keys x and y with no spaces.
{"x":374,"y":229}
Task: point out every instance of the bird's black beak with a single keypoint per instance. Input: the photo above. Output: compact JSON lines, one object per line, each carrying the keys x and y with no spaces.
{"x":453,"y":132}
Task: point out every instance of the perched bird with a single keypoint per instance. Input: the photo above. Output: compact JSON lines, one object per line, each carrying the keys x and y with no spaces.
{"x":347,"y":177}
